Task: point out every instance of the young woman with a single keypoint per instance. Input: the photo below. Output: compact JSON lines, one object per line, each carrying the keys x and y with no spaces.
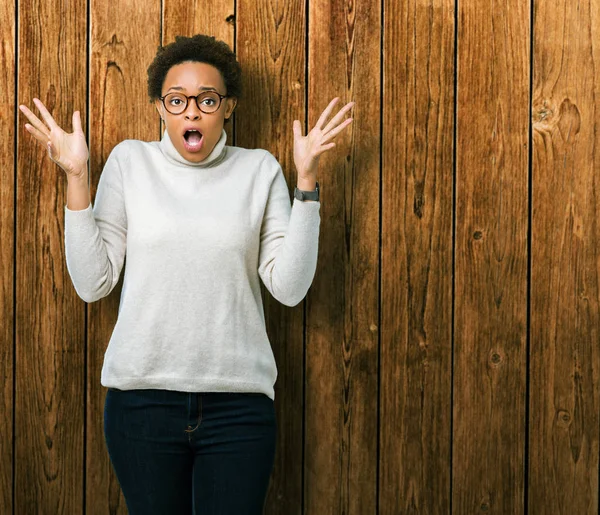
{"x":189,"y":419}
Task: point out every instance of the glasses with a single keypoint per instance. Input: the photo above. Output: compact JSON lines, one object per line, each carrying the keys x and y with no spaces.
{"x":177,"y":103}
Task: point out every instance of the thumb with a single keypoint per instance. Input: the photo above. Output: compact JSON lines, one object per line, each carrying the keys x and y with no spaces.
{"x":77,"y":122}
{"x":297,"y":129}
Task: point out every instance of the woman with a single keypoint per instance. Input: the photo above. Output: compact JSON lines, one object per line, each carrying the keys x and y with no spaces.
{"x":189,"y":419}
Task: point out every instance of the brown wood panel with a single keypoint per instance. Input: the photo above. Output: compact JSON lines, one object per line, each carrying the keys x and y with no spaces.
{"x":565,"y":256}
{"x":271,"y":50}
{"x":341,"y":416}
{"x":50,"y":344}
{"x":124,"y":39}
{"x":416,"y":285}
{"x":491,"y":257}
{"x":8,"y":126}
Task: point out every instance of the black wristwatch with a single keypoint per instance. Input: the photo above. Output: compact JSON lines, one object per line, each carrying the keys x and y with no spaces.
{"x":307,"y":195}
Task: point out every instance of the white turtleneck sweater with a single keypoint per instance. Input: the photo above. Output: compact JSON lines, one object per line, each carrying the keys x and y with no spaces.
{"x":197,"y":237}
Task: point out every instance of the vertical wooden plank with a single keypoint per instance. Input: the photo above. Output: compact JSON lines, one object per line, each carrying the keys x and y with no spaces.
{"x":565,"y":255}
{"x":416,"y":286}
{"x":9,"y":126}
{"x":343,"y":305}
{"x":271,"y":50}
{"x":50,"y":345}
{"x":491,"y":257}
{"x":215,"y":18}
{"x":124,"y":39}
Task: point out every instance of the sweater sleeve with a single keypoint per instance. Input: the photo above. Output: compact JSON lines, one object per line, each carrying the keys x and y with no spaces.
{"x":96,"y":238}
{"x":289,"y":240}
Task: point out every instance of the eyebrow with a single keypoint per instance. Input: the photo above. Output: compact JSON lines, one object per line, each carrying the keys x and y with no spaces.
{"x":201,"y":88}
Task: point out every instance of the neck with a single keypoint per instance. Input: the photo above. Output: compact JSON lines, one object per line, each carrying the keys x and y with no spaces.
{"x":173,"y":155}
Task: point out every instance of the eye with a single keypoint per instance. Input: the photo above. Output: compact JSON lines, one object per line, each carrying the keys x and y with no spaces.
{"x":210,"y":100}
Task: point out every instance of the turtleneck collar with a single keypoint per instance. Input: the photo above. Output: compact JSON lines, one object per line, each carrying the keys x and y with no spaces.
{"x":173,"y":155}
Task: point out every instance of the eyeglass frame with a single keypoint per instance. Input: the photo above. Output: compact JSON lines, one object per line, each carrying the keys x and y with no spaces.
{"x":187,"y":100}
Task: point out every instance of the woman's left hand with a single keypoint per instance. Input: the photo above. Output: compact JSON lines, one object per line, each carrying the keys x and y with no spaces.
{"x":308,"y":149}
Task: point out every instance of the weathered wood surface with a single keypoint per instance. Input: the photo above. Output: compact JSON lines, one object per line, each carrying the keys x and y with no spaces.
{"x":8,"y":127}
{"x":445,"y":357}
{"x":416,"y":258}
{"x":565,"y":259}
{"x":342,"y":324}
{"x":490,"y":302}
{"x":50,"y":376}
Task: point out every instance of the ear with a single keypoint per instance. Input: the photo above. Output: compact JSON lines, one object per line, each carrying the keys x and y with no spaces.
{"x":160,"y":108}
{"x":231,"y":103}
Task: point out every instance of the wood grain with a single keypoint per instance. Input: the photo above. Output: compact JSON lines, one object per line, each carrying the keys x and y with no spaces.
{"x":402,"y":383}
{"x":488,"y":442}
{"x":565,"y":270}
{"x":270,"y":43}
{"x":50,"y":323}
{"x":342,"y":307}
{"x":9,"y":125}
{"x":416,"y":307}
{"x":124,"y":39}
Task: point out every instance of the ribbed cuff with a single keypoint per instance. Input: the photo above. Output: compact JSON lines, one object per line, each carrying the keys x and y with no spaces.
{"x":80,"y":220}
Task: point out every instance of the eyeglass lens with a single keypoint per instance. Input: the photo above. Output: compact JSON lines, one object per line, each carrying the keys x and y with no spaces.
{"x":208,"y":102}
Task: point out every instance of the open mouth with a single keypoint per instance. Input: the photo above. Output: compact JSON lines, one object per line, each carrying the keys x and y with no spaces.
{"x":193,"y":140}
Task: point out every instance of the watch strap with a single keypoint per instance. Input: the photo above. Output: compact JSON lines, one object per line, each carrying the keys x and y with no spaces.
{"x":307,"y":195}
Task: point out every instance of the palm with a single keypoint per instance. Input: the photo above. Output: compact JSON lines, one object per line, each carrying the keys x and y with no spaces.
{"x":305,"y":151}
{"x":71,"y":149}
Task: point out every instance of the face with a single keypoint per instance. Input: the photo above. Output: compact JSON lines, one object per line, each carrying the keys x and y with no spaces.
{"x":190,"y":78}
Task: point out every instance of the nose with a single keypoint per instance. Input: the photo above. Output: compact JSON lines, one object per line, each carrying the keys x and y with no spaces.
{"x":192,"y":111}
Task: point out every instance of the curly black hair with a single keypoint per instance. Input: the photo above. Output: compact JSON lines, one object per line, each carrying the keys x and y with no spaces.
{"x":198,"y":48}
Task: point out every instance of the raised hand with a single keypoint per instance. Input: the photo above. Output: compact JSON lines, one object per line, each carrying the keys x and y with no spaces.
{"x":69,"y":151}
{"x":308,"y":149}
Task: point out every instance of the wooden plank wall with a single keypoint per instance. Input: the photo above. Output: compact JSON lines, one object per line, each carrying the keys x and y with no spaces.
{"x":416,"y":258}
{"x":490,"y":302}
{"x":565,"y":257}
{"x":50,"y":369}
{"x":445,"y":359}
{"x":7,"y":250}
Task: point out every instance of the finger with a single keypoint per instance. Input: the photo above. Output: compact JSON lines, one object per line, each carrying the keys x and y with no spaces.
{"x":334,"y":132}
{"x":337,"y":118}
{"x":325,"y":113}
{"x":77,"y":122}
{"x":35,"y":121}
{"x":324,"y":148}
{"x":40,"y":136}
{"x":45,"y":113}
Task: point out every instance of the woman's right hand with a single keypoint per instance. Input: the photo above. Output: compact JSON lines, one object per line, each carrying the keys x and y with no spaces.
{"x":69,"y":151}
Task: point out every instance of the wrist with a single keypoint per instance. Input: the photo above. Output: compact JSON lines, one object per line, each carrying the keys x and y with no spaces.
{"x":78,"y":177}
{"x":307,"y":184}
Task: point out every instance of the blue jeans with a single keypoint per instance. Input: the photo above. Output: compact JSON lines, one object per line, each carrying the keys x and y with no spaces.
{"x":179,"y":453}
